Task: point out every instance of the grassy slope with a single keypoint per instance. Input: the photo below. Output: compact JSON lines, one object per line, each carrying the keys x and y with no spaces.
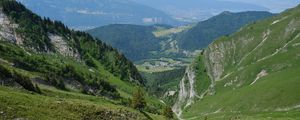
{"x":168,"y":31}
{"x":203,"y":80}
{"x":124,"y":88}
{"x":57,"y":104}
{"x":40,"y":64}
{"x":274,"y":96}
{"x":55,"y":60}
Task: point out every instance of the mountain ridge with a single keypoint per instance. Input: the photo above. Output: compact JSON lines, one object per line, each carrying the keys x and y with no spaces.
{"x":252,"y":73}
{"x":58,"y":73}
{"x":144,"y":42}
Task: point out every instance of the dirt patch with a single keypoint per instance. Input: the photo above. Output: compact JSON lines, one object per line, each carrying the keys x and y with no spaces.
{"x":260,"y":75}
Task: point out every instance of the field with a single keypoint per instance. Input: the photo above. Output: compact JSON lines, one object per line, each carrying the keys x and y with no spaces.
{"x":165,"y":32}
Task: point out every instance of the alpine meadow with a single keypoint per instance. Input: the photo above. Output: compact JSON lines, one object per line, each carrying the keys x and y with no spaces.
{"x":149,"y":60}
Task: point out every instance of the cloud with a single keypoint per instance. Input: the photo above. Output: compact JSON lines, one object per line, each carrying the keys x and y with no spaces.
{"x":84,"y":11}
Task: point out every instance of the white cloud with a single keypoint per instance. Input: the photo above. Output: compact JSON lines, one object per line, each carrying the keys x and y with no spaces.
{"x":85,"y":11}
{"x":91,"y":12}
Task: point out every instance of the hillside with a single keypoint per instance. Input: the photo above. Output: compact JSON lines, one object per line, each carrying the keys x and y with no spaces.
{"x":225,"y":23}
{"x":251,"y":74}
{"x":199,"y":10}
{"x":45,"y":66}
{"x":87,"y":14}
{"x":156,"y":41}
{"x":132,"y":40}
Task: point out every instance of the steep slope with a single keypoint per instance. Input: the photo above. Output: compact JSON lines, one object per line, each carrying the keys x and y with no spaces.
{"x":87,"y":14}
{"x":62,"y":66}
{"x":223,"y":24}
{"x":23,"y":29}
{"x":253,"y":74}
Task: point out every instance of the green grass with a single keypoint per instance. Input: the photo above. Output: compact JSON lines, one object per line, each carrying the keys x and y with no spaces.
{"x":149,"y":65}
{"x":272,"y":92}
{"x":142,"y":68}
{"x":55,"y":61}
{"x":274,"y":96}
{"x":57,"y":104}
{"x":166,"y":32}
{"x":290,"y":115}
{"x":202,"y":79}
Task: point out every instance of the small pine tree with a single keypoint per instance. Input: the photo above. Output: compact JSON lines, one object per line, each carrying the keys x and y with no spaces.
{"x":168,"y":113}
{"x":138,"y":100}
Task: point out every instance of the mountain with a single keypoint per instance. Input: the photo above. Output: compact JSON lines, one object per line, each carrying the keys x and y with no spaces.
{"x":155,"y":41}
{"x":132,"y":40}
{"x":199,"y":10}
{"x":87,"y":14}
{"x":57,"y":73}
{"x":223,"y":24}
{"x":251,"y":74}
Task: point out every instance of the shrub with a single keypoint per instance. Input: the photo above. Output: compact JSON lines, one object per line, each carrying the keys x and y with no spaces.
{"x":168,"y":113}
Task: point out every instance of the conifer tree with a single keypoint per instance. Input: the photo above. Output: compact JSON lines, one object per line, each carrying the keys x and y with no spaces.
{"x":138,"y":100}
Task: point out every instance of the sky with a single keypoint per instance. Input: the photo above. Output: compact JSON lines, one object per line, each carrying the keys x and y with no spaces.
{"x":175,"y":10}
{"x":273,"y":5}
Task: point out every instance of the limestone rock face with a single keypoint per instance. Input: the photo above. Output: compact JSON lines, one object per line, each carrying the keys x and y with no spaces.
{"x":62,"y":46}
{"x":7,"y":30}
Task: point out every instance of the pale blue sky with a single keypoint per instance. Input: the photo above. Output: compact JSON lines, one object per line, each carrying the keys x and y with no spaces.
{"x":273,"y":5}
{"x":230,"y":5}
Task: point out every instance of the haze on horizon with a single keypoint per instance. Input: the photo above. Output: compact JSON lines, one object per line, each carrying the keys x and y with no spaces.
{"x":86,"y":14}
{"x":197,"y":10}
{"x":274,"y":6}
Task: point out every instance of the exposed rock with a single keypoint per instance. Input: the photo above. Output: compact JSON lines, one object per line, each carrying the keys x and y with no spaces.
{"x":260,"y":75}
{"x":7,"y":30}
{"x":277,"y":21}
{"x":62,"y":46}
{"x":291,"y":27}
{"x":296,"y":44}
{"x":288,"y":108}
{"x":169,"y":93}
{"x":215,"y":61}
{"x":187,"y":92}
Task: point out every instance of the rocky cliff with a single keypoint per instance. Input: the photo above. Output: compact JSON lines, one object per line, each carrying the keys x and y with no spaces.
{"x":252,"y":71}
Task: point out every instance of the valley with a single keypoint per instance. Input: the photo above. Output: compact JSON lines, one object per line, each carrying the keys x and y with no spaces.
{"x":234,"y":65}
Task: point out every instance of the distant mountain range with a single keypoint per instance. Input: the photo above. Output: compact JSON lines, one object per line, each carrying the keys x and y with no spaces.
{"x":198,"y":10}
{"x":223,"y":24}
{"x":86,"y":14}
{"x":144,"y":42}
